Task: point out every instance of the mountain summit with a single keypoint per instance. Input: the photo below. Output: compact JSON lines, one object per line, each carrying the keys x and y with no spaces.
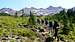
{"x":26,"y":11}
{"x":41,"y":11}
{"x":8,"y":10}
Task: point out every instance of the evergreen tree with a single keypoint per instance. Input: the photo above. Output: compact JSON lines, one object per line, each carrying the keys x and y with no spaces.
{"x":38,"y":21}
{"x":67,"y":23}
{"x":50,"y":24}
{"x":42,"y":21}
{"x":32,"y":19}
{"x":16,"y":14}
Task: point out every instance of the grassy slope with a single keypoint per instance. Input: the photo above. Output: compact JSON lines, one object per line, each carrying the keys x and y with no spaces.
{"x":8,"y":23}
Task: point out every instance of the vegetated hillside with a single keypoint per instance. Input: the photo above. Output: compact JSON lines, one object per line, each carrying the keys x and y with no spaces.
{"x":67,"y":19}
{"x":27,"y":26}
{"x":10,"y":24}
{"x":4,"y":14}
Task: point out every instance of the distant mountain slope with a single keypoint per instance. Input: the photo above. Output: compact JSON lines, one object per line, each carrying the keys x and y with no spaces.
{"x":54,"y":9}
{"x":26,"y":11}
{"x":8,"y":11}
{"x":41,"y":11}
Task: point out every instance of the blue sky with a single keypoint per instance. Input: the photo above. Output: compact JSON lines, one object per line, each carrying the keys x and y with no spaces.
{"x":47,"y":3}
{"x":19,"y":4}
{"x":14,"y":4}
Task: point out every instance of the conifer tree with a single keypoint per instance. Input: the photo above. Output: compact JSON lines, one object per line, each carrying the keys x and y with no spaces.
{"x":32,"y":19}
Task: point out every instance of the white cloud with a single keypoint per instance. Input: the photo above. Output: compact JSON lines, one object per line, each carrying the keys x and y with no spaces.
{"x":66,"y":3}
{"x":46,"y":3}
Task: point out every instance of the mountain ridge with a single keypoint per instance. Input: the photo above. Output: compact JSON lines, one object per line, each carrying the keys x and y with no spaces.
{"x":39,"y":11}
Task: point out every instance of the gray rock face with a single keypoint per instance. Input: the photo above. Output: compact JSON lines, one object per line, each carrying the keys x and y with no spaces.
{"x":8,"y":10}
{"x":48,"y":11}
{"x":26,"y":11}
